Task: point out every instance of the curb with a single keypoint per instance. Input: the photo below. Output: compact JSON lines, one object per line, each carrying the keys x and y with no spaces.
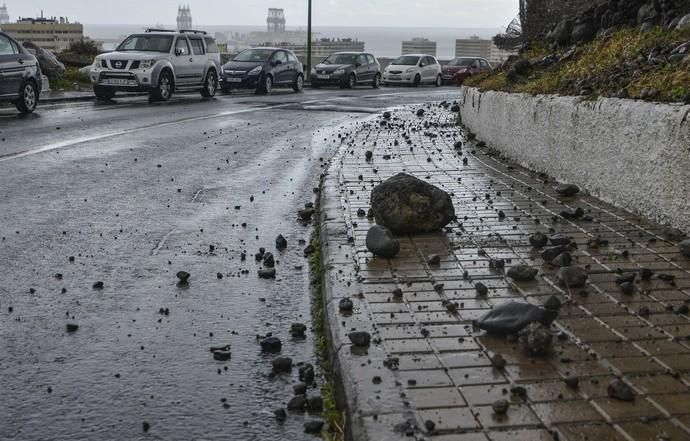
{"x":353,"y":387}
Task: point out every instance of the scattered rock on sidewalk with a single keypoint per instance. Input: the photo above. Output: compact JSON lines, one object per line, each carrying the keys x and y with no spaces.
{"x":268,"y":273}
{"x":407,"y":205}
{"x":282,"y":364}
{"x":620,"y":390}
{"x":281,"y":243}
{"x":573,"y":276}
{"x":538,"y":240}
{"x":183,"y":276}
{"x":572,"y":382}
{"x":72,"y":327}
{"x":271,"y":345}
{"x":345,"y":304}
{"x":512,"y":317}
{"x":567,"y":189}
{"x":313,"y":427}
{"x":360,"y":338}
{"x":500,"y":407}
{"x":553,"y":303}
{"x":522,"y":273}
{"x":537,"y":338}
{"x":381,"y":242}
{"x":298,"y":330}
{"x":684,"y":248}
{"x":482,"y":290}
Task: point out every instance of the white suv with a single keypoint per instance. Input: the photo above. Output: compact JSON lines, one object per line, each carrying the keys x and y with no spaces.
{"x":413,"y":69}
{"x":159,"y":62}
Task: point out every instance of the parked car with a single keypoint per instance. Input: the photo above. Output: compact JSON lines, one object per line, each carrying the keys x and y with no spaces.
{"x":413,"y":69}
{"x":458,"y":69}
{"x":159,"y":62}
{"x":20,"y":75}
{"x":347,"y":70}
{"x":262,"y":69}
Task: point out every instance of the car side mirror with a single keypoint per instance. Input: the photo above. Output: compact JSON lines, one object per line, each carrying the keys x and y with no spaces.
{"x":422,"y":64}
{"x":358,"y":64}
{"x":277,"y":62}
{"x":178,"y":51}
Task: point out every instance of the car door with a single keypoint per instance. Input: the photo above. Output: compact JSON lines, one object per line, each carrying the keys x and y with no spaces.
{"x":434,"y":68}
{"x":362,"y":69}
{"x":199,"y":57}
{"x":295,"y":66}
{"x":374,"y":67}
{"x":281,"y":68}
{"x":11,"y":67}
{"x":429,"y":69}
{"x":183,"y":62}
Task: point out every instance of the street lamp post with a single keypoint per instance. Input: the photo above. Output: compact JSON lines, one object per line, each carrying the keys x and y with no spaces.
{"x":309,"y":40}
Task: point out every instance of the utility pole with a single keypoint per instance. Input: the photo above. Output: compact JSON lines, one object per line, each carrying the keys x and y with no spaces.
{"x":308,"y":75}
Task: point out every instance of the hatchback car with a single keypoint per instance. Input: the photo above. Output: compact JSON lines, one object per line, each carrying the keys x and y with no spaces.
{"x":459,"y":69}
{"x":262,"y":69}
{"x":347,"y":70}
{"x":413,"y":69}
{"x":159,"y":62}
{"x":20,"y":75}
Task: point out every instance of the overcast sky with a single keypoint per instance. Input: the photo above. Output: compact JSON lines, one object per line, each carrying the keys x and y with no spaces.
{"x":413,"y":13}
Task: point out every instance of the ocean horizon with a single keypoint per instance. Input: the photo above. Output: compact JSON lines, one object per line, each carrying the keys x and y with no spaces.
{"x":382,"y":41}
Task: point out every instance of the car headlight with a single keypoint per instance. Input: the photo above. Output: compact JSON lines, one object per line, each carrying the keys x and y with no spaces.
{"x":147,"y":64}
{"x":256,"y":71}
{"x":339,"y":72}
{"x":410,"y":70}
{"x":222,"y":70}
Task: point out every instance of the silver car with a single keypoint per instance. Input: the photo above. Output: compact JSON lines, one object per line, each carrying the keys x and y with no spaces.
{"x":159,"y":62}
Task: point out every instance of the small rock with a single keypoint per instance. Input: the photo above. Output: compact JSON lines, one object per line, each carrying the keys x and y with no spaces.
{"x":482,"y":290}
{"x":306,"y":214}
{"x":98,"y":285}
{"x":315,"y":404}
{"x":560,"y":239}
{"x":313,"y":427}
{"x":300,"y":389}
{"x":434,"y":259}
{"x":221,"y":354}
{"x":345,"y":305}
{"x":282,"y":364}
{"x":281,"y":243}
{"x":551,"y":253}
{"x":306,"y":373}
{"x":500,"y":407}
{"x":269,"y":260}
{"x":381,"y":242}
{"x":360,"y":338}
{"x":271,"y":345}
{"x":573,"y":277}
{"x":498,"y":361}
{"x":387,"y":115}
{"x":298,"y":330}
{"x":684,"y":248}
{"x":183,"y":276}
{"x":280,"y":414}
{"x":368,"y":155}
{"x":620,"y":390}
{"x":563,"y":259}
{"x":538,"y":240}
{"x":145,"y":426}
{"x":71,"y":327}
{"x":522,"y":273}
{"x":297,"y":403}
{"x":429,"y":425}
{"x":511,"y":317}
{"x":567,"y":190}
{"x":572,"y":382}
{"x":420,"y":112}
{"x":628,"y":288}
{"x":537,"y":338}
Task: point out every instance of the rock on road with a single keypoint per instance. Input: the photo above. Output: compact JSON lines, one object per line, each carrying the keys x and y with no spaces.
{"x":129,"y":193}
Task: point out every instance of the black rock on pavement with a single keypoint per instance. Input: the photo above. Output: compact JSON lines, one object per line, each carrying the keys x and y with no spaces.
{"x":684,"y":248}
{"x":522,"y":273}
{"x":567,"y":189}
{"x":620,"y":390}
{"x":360,"y":338}
{"x":573,"y":276}
{"x":381,"y":242}
{"x":510,"y":318}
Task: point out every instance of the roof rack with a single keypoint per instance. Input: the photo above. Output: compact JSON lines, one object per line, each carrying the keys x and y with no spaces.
{"x":191,"y":31}
{"x":159,"y":30}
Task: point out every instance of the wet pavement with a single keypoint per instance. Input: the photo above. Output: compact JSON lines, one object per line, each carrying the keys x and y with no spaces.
{"x":128,"y":194}
{"x":428,"y":373}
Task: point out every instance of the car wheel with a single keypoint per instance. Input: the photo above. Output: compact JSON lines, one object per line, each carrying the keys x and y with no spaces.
{"x":439,"y":81}
{"x":265,"y":87}
{"x":299,"y":83}
{"x":417,"y":80}
{"x":377,"y":81}
{"x":28,"y":97}
{"x":103,"y":93}
{"x":352,"y":81}
{"x":163,"y":91}
{"x":210,"y":85}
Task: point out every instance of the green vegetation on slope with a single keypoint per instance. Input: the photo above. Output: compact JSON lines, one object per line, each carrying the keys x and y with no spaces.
{"x":625,"y":63}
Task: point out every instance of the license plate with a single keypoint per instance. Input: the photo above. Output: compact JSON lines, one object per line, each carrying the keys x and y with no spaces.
{"x":323,"y":77}
{"x":447,"y":77}
{"x":233,"y":80}
{"x":119,"y":82}
{"x":395,"y":77}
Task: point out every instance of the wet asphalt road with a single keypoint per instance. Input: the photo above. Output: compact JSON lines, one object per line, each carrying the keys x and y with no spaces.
{"x":135,"y":192}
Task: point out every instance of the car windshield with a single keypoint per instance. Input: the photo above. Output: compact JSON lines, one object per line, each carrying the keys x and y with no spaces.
{"x":463,"y":62}
{"x":340,"y":59}
{"x":406,"y":61}
{"x":254,"y":55}
{"x":147,"y":43}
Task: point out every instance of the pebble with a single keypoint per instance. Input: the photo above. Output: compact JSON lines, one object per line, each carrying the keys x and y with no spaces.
{"x":522,"y":273}
{"x":282,"y":364}
{"x":271,"y":345}
{"x":434,"y":260}
{"x":71,"y":327}
{"x":538,"y":240}
{"x":573,"y":276}
{"x":360,"y":338}
{"x":345,"y":305}
{"x":572,"y":382}
{"x":482,"y":290}
{"x":567,"y":189}
{"x":684,"y":248}
{"x":183,"y":276}
{"x":500,"y":407}
{"x":281,"y":243}
{"x":314,"y":426}
{"x":620,"y":390}
{"x":298,"y":330}
{"x":268,"y":273}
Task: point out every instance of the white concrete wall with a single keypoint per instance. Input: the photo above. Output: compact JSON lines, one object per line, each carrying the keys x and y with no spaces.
{"x":633,"y":154}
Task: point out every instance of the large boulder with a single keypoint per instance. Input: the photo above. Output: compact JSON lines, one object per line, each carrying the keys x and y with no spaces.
{"x":50,"y":65}
{"x":512,"y":317}
{"x":407,"y":205}
{"x":684,"y":23}
{"x":584,"y":30}
{"x":562,"y":31}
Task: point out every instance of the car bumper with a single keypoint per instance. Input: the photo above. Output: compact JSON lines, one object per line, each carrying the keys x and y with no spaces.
{"x":123,"y":80}
{"x":239,"y":82}
{"x":398,"y":79}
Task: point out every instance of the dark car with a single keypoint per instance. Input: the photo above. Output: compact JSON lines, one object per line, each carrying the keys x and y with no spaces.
{"x":347,"y":69}
{"x":459,"y":69}
{"x":262,"y":69}
{"x":20,"y":75}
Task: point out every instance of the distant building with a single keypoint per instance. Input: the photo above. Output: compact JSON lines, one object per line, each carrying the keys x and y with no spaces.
{"x":55,"y":34}
{"x":419,"y":46}
{"x":321,"y":48}
{"x":4,"y":16}
{"x":275,"y":22}
{"x":473,"y":47}
{"x":184,"y":17}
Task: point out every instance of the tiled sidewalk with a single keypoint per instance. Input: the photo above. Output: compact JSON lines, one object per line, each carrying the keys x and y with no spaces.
{"x":428,"y":374}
